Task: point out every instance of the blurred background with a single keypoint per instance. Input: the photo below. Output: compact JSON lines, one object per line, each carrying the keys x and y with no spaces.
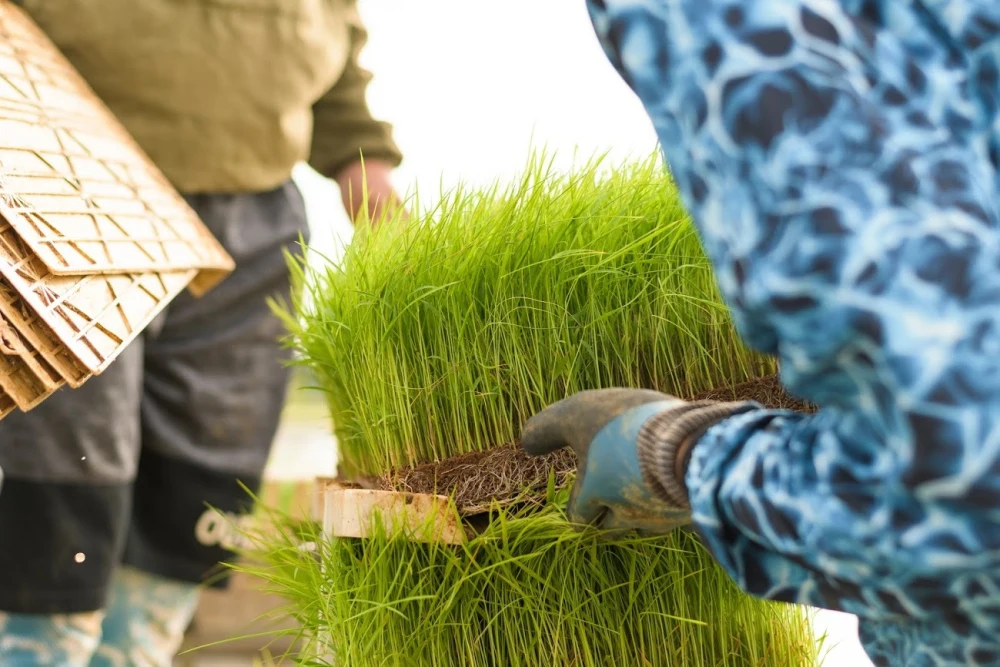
{"x":471,"y":89}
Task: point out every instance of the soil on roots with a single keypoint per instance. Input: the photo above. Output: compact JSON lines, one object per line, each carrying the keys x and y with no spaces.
{"x":767,"y":391}
{"x":506,"y":475}
{"x":479,"y":480}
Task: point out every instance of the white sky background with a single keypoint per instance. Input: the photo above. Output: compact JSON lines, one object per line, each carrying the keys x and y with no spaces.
{"x":471,"y":86}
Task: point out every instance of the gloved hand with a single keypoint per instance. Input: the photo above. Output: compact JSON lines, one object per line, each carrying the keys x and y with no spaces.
{"x":632,"y":448}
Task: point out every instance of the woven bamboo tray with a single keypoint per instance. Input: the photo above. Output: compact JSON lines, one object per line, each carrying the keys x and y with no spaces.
{"x":94,"y":242}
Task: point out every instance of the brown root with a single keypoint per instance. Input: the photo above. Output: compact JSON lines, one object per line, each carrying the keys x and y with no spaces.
{"x":506,"y":475}
{"x":767,"y":391}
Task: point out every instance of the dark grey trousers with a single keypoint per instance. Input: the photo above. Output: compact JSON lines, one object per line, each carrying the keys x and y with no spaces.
{"x":122,"y":470}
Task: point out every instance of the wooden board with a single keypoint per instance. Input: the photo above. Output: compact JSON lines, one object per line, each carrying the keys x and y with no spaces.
{"x":40,"y":336}
{"x":93,"y":316}
{"x":74,"y":185}
{"x":24,"y":375}
{"x":7,"y":404}
{"x":347,"y":512}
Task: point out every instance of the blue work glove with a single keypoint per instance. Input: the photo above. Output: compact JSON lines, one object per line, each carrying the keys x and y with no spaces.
{"x":632,"y":448}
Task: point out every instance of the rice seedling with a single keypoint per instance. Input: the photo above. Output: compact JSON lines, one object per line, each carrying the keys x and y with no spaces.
{"x":433,"y":344}
{"x":527,"y":591}
{"x":442,"y":339}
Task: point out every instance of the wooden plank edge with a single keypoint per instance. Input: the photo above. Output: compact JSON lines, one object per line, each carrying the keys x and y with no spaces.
{"x":23,"y":377}
{"x":348,"y":512}
{"x":40,"y":336}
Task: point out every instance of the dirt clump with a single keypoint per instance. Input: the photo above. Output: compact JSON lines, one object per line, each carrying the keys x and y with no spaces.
{"x":475,"y":480}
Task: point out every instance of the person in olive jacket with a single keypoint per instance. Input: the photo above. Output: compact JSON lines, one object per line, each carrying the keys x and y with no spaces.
{"x":103,"y":520}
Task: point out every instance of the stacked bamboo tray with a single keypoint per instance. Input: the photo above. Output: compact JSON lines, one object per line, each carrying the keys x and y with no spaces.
{"x":94,"y":242}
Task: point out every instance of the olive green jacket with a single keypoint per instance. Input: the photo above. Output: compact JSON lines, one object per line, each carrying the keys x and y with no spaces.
{"x":226,"y":95}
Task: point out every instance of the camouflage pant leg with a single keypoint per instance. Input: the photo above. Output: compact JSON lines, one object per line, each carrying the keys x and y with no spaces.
{"x":840,"y":162}
{"x":33,"y":640}
{"x":145,"y":621}
{"x":143,"y":626}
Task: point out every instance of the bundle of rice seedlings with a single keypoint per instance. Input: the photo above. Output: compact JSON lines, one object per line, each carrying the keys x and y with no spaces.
{"x":433,"y":345}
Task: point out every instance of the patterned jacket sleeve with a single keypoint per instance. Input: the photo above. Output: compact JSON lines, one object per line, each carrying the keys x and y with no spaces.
{"x":837,"y":163}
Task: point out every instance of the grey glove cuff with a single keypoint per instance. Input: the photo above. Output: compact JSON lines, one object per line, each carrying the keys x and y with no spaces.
{"x":669,"y":436}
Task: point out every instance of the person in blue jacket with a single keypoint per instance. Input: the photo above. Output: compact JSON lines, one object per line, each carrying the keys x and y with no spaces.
{"x":840,"y":161}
